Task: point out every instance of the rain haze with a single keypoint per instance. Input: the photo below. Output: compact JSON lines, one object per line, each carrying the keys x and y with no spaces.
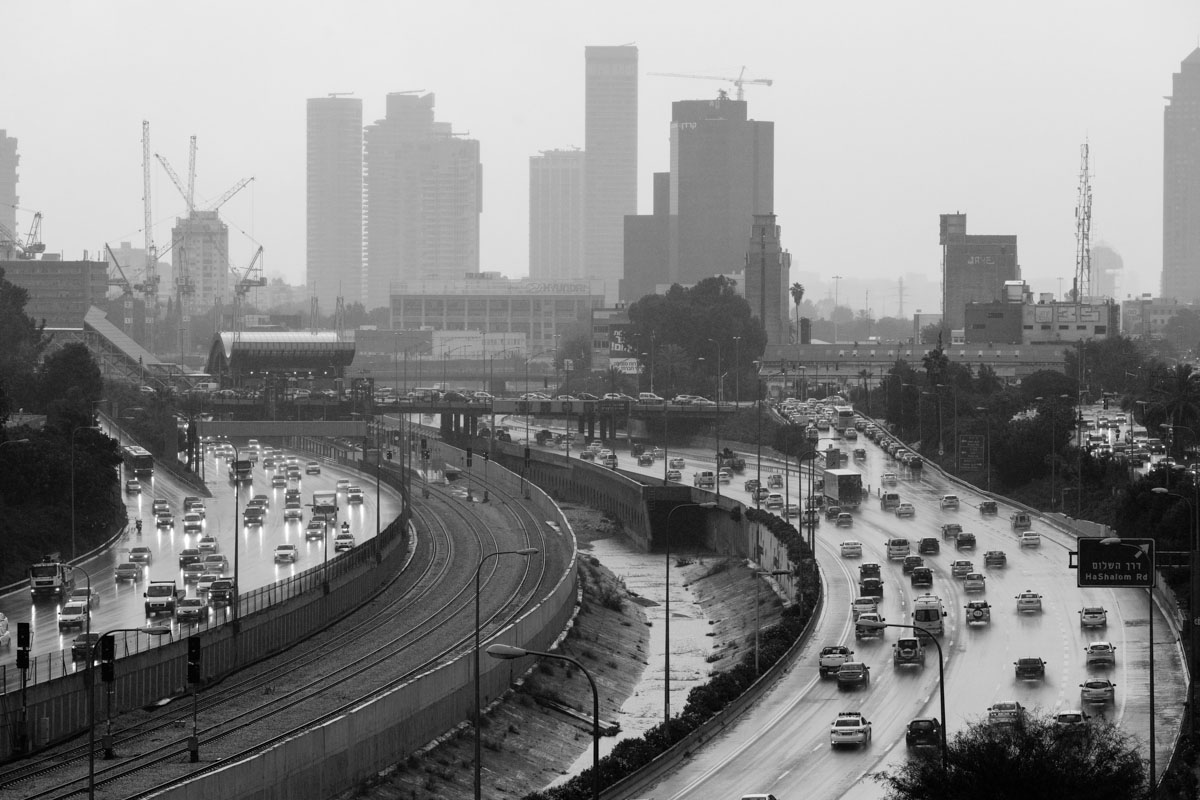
{"x":886,"y":115}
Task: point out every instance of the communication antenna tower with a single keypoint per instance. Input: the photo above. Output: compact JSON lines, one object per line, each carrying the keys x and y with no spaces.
{"x":1083,"y":231}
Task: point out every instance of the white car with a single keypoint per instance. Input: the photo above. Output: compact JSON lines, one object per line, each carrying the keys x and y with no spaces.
{"x":961,"y":568}
{"x":676,"y":463}
{"x":1097,"y":691}
{"x":342,"y":485}
{"x":343,"y":541}
{"x":949,"y":501}
{"x":1100,"y":653}
{"x":906,"y":510}
{"x":285,"y":553}
{"x":1030,"y":539}
{"x":864,"y":605}
{"x":889,"y":479}
{"x":1093,"y":617}
{"x":207,"y":544}
{"x":674,"y":475}
{"x":851,"y":549}
{"x":1029,"y":601}
{"x":850,"y":727}
{"x":73,"y":615}
{"x":974,"y":582}
{"x":774,"y":500}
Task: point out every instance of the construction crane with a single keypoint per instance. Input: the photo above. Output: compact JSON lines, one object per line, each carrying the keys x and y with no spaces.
{"x":739,"y":82}
{"x":229,"y":193}
{"x":150,"y":284}
{"x":249,"y":278}
{"x":188,"y":193}
{"x":11,"y":245}
{"x":33,"y":241}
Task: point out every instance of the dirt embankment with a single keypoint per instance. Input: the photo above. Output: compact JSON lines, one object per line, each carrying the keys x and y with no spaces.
{"x":527,"y":745}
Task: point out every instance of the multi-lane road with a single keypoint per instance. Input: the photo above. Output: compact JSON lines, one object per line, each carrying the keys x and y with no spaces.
{"x":782,"y":745}
{"x":121,"y":604}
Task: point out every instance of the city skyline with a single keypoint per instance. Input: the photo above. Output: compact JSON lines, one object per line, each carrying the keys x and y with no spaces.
{"x":884,"y":117}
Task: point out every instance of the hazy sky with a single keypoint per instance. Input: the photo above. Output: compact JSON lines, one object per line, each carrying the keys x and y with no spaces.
{"x":887,"y":114}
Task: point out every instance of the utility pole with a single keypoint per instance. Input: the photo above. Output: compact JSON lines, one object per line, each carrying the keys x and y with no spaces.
{"x":833,"y":316}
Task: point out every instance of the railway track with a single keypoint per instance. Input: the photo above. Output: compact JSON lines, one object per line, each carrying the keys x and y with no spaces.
{"x":300,"y":686}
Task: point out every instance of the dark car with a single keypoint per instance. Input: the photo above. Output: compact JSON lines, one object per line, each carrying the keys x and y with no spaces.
{"x":82,"y":645}
{"x":922,"y":576}
{"x":965,"y":541}
{"x":190,"y":555}
{"x":929,"y":546}
{"x":923,"y":733}
{"x":988,"y":508}
{"x":221,"y":592}
{"x":1030,"y":668}
{"x":870,"y":587}
{"x":853,"y":674}
{"x":912,"y":562}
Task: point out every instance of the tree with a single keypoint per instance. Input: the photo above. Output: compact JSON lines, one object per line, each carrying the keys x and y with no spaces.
{"x":1048,"y":383}
{"x":23,"y":341}
{"x":987,"y":381}
{"x":1177,"y":401}
{"x":936,"y":363}
{"x":69,"y":383}
{"x":1183,"y":329}
{"x":1034,"y":761}
{"x":797,"y":292}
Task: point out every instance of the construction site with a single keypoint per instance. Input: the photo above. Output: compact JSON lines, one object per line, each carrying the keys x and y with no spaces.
{"x":164,"y":303}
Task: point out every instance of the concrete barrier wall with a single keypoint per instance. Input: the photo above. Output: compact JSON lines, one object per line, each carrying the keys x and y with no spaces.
{"x":383,"y":731}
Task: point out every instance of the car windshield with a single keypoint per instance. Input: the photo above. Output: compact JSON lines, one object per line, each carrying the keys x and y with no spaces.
{"x":921,"y":725}
{"x":1096,"y":685}
{"x":846,"y":723}
{"x":1070,"y":718}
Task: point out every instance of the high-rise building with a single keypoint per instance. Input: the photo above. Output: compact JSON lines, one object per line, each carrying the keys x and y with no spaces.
{"x":424,"y":194}
{"x":556,"y":214}
{"x":334,"y":257}
{"x":9,"y":160}
{"x":767,"y":268}
{"x":1181,"y":184}
{"x":1107,"y":269}
{"x":200,"y":264}
{"x":974,"y":268}
{"x":60,"y":292}
{"x":610,"y":160}
{"x":722,"y":175}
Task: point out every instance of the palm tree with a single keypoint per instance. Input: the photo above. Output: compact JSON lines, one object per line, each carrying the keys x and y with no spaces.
{"x":863,"y":376}
{"x":797,"y":291}
{"x":1179,"y":400}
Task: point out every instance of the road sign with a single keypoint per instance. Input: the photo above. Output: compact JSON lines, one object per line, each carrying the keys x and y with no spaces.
{"x":971,"y":451}
{"x":1115,"y":563}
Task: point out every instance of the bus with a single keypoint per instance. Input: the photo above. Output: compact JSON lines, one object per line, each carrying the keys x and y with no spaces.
{"x":845,"y":417}
{"x":138,"y":461}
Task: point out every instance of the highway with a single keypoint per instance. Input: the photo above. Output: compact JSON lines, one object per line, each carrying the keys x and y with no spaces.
{"x":781,"y":745}
{"x":121,"y":604}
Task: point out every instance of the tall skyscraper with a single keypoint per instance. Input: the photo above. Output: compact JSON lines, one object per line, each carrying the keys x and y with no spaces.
{"x":9,"y":160}
{"x":975,"y":268}
{"x":424,"y":194}
{"x":722,"y":175}
{"x":1181,"y":184}
{"x":334,"y":257}
{"x":610,"y":160}
{"x":556,"y":214}
{"x":767,"y":268}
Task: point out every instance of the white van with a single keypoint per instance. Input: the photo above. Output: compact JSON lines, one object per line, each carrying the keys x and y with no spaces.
{"x":929,"y":614}
{"x":898,"y":549}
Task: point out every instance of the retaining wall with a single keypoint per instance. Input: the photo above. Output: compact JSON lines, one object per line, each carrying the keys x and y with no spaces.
{"x":341,"y":754}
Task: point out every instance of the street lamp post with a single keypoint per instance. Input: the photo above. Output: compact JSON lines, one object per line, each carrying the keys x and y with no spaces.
{"x":525,"y":551}
{"x":667,"y":618}
{"x":237,"y":540}
{"x":506,"y":651}
{"x":737,"y":378}
{"x":152,"y":630}
{"x":833,"y":314}
{"x":941,"y":671}
{"x":73,"y":432}
{"x":987,"y":450}
{"x":717,"y":427}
